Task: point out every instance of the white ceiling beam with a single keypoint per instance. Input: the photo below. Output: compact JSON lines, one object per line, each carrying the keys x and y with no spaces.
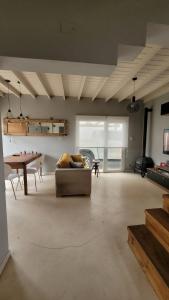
{"x":151,"y":52}
{"x":153,"y":74}
{"x":157,"y":93}
{"x":42,"y":81}
{"x":82,"y":83}
{"x":25,"y":83}
{"x":99,"y":88}
{"x":59,"y":77}
{"x":50,"y":66}
{"x":164,"y":65}
{"x":150,"y":88}
{"x":8,"y":85}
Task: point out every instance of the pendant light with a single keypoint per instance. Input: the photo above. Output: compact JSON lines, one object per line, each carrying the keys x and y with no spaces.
{"x":133,"y":106}
{"x":9,"y":112}
{"x":20,"y":101}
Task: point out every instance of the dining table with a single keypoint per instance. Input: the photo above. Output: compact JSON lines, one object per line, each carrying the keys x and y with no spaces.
{"x":20,"y":161}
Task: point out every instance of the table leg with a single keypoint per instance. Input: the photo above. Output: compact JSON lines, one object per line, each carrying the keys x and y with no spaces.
{"x":25,"y":180}
{"x":41,"y":171}
{"x":95,"y":168}
{"x":97,"y":171}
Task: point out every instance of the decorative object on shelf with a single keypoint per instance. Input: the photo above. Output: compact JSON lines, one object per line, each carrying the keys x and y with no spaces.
{"x":133,"y":106}
{"x":9,"y":112}
{"x":20,"y":103}
{"x":162,"y":164}
{"x":35,"y":127}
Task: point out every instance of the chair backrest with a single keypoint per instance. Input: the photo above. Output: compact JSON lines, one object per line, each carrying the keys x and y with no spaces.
{"x":88,"y":153}
{"x":34,"y":164}
{"x":7,"y":171}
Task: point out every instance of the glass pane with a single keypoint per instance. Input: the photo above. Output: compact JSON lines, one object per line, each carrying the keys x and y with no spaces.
{"x":106,"y":138}
{"x":115,"y":135}
{"x":114,"y":159}
{"x":58,"y":128}
{"x":91,"y":133}
{"x":117,"y":132}
{"x":34,"y":128}
{"x":46,"y":127}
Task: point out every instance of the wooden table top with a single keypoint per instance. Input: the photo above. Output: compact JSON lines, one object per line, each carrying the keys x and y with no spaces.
{"x":21,"y":158}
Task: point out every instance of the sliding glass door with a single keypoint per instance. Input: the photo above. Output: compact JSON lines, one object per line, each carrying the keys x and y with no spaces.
{"x":106,"y":138}
{"x":116,"y":141}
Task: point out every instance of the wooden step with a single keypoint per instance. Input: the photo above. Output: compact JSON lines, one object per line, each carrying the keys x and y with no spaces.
{"x":157,"y":221}
{"x":153,"y":258}
{"x":166,"y":202}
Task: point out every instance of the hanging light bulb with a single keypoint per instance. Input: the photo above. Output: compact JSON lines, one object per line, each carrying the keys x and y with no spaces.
{"x":20,"y":103}
{"x":133,"y":106}
{"x":9,"y":112}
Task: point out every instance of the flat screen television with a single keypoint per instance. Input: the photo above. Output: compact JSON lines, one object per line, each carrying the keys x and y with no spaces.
{"x":166,"y":141}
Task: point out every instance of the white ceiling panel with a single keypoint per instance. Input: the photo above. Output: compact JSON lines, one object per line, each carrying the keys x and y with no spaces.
{"x":91,"y":84}
{"x":71,"y":84}
{"x":14,"y":81}
{"x":32,"y":79}
{"x":53,"y":83}
{"x":151,"y":67}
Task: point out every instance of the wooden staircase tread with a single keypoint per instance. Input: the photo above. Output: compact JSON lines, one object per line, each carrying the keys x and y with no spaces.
{"x":153,"y":249}
{"x":160,"y":215}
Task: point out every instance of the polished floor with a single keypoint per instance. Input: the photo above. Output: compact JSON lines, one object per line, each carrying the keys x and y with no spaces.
{"x":75,"y":248}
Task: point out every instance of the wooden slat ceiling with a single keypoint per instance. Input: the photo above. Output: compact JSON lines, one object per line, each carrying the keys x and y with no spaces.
{"x":151,"y":67}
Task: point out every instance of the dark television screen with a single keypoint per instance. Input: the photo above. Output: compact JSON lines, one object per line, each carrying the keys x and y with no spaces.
{"x":165,"y":108}
{"x":166,"y":141}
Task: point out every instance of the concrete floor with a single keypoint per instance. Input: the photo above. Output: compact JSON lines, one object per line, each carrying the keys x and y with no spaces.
{"x":75,"y":248}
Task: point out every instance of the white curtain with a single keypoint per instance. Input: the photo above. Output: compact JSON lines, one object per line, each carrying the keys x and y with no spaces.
{"x":117,"y":132}
{"x":98,"y":131}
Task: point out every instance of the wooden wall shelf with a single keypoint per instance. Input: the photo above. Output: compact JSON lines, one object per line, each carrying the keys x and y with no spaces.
{"x":35,"y":127}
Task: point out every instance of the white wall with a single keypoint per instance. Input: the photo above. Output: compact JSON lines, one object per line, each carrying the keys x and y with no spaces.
{"x":53,"y":147}
{"x":3,"y":216}
{"x":158,"y":123}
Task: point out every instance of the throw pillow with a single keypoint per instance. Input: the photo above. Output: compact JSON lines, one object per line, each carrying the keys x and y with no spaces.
{"x":77,"y":157}
{"x":76,"y":165}
{"x":64,"y":161}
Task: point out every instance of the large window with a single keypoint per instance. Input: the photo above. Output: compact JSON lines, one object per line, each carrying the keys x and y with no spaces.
{"x":106,"y":137}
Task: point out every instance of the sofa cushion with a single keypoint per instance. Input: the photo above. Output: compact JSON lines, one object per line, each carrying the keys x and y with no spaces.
{"x":64,"y":161}
{"x":75,"y":164}
{"x":77,"y":158}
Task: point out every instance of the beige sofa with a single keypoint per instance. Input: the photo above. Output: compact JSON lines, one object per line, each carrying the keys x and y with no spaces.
{"x":73,"y":181}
